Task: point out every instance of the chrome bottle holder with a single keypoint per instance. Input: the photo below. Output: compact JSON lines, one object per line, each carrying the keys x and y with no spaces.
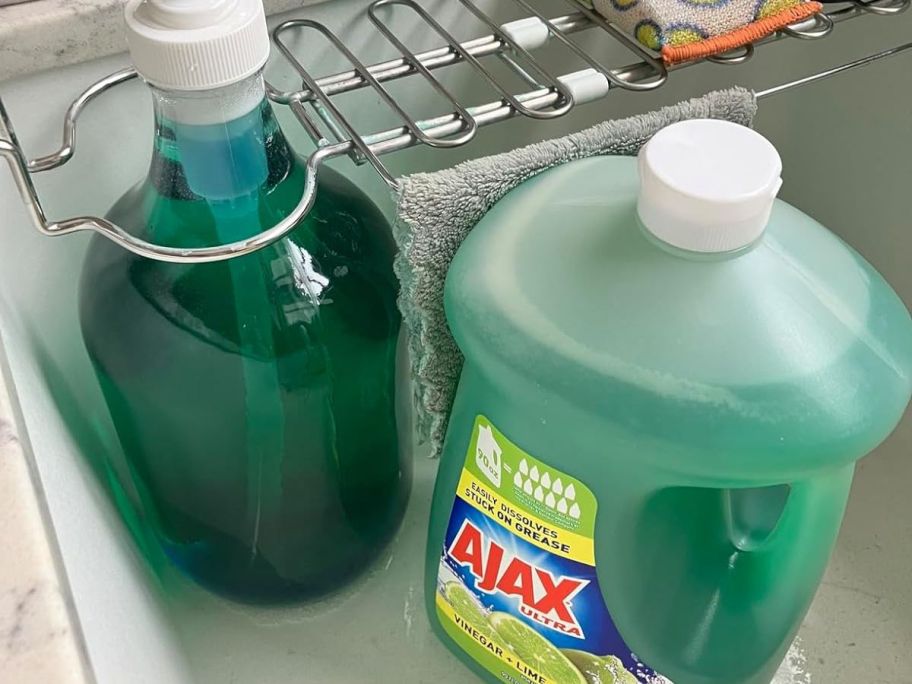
{"x":513,"y":43}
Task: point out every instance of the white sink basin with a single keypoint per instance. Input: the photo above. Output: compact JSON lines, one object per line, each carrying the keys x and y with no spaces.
{"x":151,"y":626}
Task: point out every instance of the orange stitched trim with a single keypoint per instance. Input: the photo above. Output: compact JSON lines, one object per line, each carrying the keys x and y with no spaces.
{"x":674,"y":54}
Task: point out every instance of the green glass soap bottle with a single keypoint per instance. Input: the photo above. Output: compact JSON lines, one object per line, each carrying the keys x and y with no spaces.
{"x":253,"y":397}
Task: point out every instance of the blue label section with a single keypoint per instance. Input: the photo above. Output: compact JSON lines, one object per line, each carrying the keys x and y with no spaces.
{"x":480,"y":553}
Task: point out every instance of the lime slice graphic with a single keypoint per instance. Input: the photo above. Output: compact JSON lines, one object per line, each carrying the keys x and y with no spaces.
{"x":467,"y":607}
{"x":622,"y":674}
{"x":600,"y":669}
{"x":596,"y":670}
{"x":535,"y":650}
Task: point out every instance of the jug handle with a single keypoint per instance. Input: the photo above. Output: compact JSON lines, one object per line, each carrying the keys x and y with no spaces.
{"x":705,"y":608}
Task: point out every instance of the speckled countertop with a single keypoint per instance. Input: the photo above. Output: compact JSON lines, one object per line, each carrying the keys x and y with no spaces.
{"x":42,"y":34}
{"x":40,"y":641}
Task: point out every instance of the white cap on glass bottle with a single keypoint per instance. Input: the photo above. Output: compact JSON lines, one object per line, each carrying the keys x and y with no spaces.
{"x":708,"y":185}
{"x":196,"y":44}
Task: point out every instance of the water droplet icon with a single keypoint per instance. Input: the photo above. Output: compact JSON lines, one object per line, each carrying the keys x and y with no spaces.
{"x":539,"y":494}
{"x":546,"y":480}
{"x":558,"y":487}
{"x":517,"y":480}
{"x":534,"y":473}
{"x":527,"y":488}
{"x":575,"y":511}
{"x":524,"y":467}
{"x":550,"y":500}
{"x":562,"y":505}
{"x":570,"y":492}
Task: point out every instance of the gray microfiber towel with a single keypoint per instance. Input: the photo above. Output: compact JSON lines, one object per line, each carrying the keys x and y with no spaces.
{"x":436,"y":211}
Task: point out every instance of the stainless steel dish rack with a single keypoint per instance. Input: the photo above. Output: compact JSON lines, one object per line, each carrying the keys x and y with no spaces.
{"x":548,"y":96}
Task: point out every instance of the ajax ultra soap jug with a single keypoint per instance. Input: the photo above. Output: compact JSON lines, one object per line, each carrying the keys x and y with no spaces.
{"x":669,"y":376}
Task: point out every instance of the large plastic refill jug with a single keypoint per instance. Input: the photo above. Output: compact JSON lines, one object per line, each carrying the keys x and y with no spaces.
{"x":254,"y":397}
{"x":669,"y":376}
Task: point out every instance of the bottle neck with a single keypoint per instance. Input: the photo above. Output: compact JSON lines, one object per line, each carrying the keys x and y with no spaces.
{"x":217,"y":145}
{"x":694,"y":255}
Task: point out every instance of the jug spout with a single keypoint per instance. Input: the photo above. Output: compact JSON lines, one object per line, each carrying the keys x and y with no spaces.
{"x":724,"y":577}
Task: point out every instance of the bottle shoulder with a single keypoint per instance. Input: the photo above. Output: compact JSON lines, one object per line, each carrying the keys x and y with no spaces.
{"x":559,"y":280}
{"x":343,"y":219}
{"x":337,"y":261}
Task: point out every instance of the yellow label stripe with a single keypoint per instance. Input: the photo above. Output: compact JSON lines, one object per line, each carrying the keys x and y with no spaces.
{"x":524,"y":524}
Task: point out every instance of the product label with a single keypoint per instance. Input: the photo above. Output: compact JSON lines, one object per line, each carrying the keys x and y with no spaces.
{"x":517,"y":587}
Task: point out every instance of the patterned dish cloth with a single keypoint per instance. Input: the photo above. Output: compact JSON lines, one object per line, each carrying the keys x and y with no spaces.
{"x":685,"y":30}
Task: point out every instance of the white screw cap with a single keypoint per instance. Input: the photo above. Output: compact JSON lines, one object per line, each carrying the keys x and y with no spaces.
{"x":708,"y":185}
{"x":196,"y":44}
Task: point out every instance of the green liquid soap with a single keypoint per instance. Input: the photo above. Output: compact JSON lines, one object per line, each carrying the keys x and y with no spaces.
{"x":254,"y":398}
{"x":651,"y":449}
